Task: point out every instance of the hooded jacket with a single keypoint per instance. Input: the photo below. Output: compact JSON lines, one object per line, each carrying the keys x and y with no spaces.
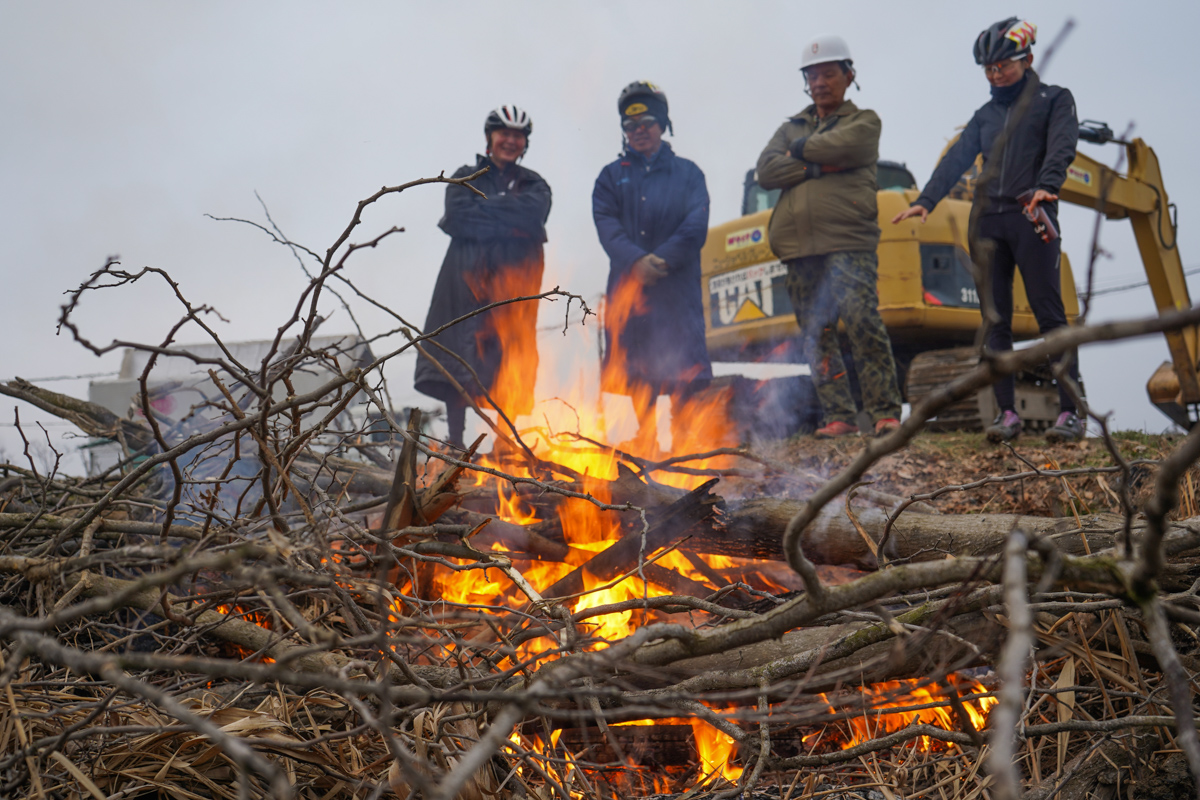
{"x":823,"y":210}
{"x":659,"y":207}
{"x":495,"y":253}
{"x":1039,"y":145}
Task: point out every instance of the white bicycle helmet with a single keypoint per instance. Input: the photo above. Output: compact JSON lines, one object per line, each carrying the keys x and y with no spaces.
{"x":508,"y":117}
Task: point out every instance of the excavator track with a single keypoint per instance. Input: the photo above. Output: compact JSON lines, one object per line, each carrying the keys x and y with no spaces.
{"x":1036,"y":395}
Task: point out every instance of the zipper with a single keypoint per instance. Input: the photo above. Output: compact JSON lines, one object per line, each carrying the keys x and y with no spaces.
{"x":808,"y":198}
{"x":1004,"y":157}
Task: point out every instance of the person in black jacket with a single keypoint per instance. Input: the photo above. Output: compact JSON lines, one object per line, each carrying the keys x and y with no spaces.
{"x":1027,"y":135}
{"x":650,"y":207}
{"x":495,"y":254}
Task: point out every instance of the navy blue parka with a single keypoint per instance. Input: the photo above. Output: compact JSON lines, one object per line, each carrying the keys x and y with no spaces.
{"x":495,"y":253}
{"x":659,"y":207}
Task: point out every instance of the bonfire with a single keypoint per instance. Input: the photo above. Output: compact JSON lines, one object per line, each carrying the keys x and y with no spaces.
{"x":263,"y":596}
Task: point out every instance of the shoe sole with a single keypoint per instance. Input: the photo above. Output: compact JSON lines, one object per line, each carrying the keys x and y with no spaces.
{"x":998,"y":437}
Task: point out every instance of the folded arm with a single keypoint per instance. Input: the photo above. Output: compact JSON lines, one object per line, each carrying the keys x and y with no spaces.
{"x":470,"y":216}
{"x":777,"y":169}
{"x":847,"y":143}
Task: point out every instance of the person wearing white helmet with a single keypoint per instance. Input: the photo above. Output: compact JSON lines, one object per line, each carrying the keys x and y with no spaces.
{"x":1026,"y":146}
{"x":495,"y":254}
{"x":824,"y":228}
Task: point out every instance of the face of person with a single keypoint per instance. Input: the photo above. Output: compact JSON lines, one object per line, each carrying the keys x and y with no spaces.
{"x":644,"y":133}
{"x":1006,"y":73}
{"x":506,"y":146}
{"x":827,"y":84}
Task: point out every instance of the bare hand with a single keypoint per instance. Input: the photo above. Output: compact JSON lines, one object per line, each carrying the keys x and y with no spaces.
{"x":1040,"y":196}
{"x":649,"y":269}
{"x":911,"y":211}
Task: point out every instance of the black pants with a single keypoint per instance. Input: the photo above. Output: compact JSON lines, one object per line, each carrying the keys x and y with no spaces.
{"x":1016,"y":245}
{"x":456,"y":420}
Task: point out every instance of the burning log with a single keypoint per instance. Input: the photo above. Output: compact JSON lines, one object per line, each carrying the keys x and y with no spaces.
{"x":492,"y":531}
{"x":663,"y":528}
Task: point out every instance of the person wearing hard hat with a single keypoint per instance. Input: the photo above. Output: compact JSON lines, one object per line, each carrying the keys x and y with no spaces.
{"x":495,"y":254}
{"x":650,"y":207}
{"x":1035,"y":129}
{"x":824,"y":228}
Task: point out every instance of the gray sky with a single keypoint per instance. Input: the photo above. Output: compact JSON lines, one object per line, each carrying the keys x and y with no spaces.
{"x":125,"y":122}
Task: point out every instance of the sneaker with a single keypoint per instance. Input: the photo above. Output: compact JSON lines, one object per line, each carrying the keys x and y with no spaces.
{"x":836,"y":430}
{"x":1005,"y":428}
{"x":1067,"y":428}
{"x":885,"y":426}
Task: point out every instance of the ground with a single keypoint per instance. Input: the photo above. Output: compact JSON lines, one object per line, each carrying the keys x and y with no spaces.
{"x":935,"y":460}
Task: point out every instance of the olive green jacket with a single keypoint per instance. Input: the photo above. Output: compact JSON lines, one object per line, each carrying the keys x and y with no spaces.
{"x":828,"y":201}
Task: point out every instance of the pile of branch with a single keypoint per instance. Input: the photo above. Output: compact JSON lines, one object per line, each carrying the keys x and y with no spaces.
{"x":256,"y":603}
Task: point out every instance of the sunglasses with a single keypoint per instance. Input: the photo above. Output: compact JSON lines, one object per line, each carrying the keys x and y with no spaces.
{"x":644,"y":122}
{"x":1001,"y":66}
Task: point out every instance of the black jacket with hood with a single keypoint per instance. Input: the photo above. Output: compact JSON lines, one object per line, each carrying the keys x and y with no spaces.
{"x":1039,"y":145}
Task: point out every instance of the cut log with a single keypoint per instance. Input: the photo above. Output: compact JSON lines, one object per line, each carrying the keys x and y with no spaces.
{"x":847,"y":654}
{"x":755,"y":530}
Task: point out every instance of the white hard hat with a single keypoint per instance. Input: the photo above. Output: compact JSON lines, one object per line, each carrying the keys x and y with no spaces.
{"x":824,"y":49}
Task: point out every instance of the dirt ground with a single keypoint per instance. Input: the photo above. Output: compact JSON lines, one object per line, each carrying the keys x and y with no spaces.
{"x":935,"y":460}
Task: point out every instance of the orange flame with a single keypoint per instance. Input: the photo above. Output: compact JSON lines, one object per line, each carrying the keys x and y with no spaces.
{"x":510,"y":331}
{"x":715,"y":748}
{"x":877,"y":720}
{"x":259,"y":618}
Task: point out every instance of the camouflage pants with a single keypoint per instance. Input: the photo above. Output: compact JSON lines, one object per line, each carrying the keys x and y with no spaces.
{"x":834,"y":286}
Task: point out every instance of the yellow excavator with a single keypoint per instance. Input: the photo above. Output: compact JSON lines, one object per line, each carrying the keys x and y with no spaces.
{"x":927,"y":295}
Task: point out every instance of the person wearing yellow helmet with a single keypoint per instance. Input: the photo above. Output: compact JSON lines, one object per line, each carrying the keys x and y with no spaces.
{"x":650,"y":207}
{"x":1027,"y":134}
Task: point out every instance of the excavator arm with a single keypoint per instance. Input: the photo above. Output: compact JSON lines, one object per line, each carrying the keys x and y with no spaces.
{"x":1140,"y":197}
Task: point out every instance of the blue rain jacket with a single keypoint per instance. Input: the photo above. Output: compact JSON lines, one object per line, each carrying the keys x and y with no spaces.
{"x":663,"y":210}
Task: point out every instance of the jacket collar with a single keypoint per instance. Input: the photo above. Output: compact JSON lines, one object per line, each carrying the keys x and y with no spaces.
{"x":482,"y":161}
{"x":1030,"y":86}
{"x":810,"y":114}
{"x":665,"y":154}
